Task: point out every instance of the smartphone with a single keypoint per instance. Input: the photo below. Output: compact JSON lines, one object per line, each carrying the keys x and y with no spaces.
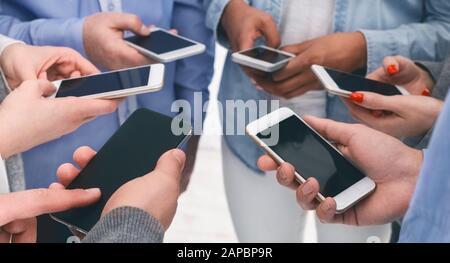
{"x":287,"y":138}
{"x":132,"y":152}
{"x":263,"y":58}
{"x":164,"y":46}
{"x":114,"y":84}
{"x":344,"y":84}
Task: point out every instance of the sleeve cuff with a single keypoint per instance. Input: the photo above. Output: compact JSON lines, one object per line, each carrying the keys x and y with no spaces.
{"x":126,"y":225}
{"x":62,"y":32}
{"x":380,"y":44}
{"x":213,"y":21}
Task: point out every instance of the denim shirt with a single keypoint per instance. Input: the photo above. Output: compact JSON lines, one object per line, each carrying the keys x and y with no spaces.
{"x":428,"y":216}
{"x":419,"y":29}
{"x":60,"y":23}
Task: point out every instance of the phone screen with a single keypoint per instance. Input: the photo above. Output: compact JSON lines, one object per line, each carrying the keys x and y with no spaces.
{"x":108,"y":82}
{"x":160,"y":42}
{"x":312,"y":156}
{"x":354,"y":83}
{"x":266,"y":55}
{"x":132,"y":152}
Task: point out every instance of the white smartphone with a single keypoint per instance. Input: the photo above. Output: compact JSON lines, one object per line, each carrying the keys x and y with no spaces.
{"x":164,"y":46}
{"x":344,"y":84}
{"x":263,"y":58}
{"x":287,"y":138}
{"x":114,"y":84}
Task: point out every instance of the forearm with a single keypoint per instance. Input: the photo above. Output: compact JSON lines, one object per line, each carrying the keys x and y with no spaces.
{"x":126,"y":225}
{"x":45,"y":32}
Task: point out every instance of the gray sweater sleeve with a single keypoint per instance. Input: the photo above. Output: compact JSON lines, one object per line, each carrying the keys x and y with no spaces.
{"x":126,"y":225}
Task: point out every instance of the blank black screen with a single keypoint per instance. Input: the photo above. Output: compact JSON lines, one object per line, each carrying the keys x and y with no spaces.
{"x":160,"y":42}
{"x":354,"y":83}
{"x":132,"y":152}
{"x":313,"y":157}
{"x":103,"y":83}
{"x":265,"y":55}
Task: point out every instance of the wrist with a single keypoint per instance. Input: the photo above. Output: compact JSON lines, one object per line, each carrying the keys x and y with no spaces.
{"x":359,"y":50}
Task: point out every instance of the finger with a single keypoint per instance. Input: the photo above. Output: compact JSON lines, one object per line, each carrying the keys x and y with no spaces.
{"x":66,"y":173}
{"x":286,"y":176}
{"x":391,"y":65}
{"x":41,"y":88}
{"x":270,"y":32}
{"x":247,"y":41}
{"x":32,"y":203}
{"x":172,"y":164}
{"x":327,"y":211}
{"x":5,"y":237}
{"x":294,"y":67}
{"x":56,"y":186}
{"x":75,"y":74}
{"x":23,"y":231}
{"x":297,"y":48}
{"x":83,"y":155}
{"x":304,"y":89}
{"x":374,"y":101}
{"x":265,"y":163}
{"x":307,"y":193}
{"x":131,"y":22}
{"x":89,"y":108}
{"x":341,"y":133}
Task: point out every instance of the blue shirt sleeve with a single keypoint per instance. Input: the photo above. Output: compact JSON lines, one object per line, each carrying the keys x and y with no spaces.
{"x":193,"y":75}
{"x":41,"y":32}
{"x":426,"y":40}
{"x":428,"y":216}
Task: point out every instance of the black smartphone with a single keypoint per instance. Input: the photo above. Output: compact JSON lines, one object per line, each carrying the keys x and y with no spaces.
{"x":132,"y":152}
{"x":343,"y":84}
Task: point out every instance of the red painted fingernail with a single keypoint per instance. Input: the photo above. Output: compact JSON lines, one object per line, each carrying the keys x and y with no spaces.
{"x":392,"y":69}
{"x":426,"y":92}
{"x":357,"y":97}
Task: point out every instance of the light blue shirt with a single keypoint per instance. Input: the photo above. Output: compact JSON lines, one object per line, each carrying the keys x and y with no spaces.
{"x":428,"y":217}
{"x":60,"y":23}
{"x":419,"y":29}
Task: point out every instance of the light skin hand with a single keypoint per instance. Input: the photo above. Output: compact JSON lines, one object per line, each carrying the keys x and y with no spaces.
{"x":29,"y":118}
{"x":103,"y":35}
{"x":398,"y":116}
{"x":245,"y":24}
{"x":343,"y":51}
{"x":19,"y":210}
{"x":156,"y":193}
{"x":393,"y":166}
{"x":44,"y":63}
{"x":403,"y":72}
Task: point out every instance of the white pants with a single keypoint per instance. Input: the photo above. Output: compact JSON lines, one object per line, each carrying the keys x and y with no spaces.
{"x":263,"y":211}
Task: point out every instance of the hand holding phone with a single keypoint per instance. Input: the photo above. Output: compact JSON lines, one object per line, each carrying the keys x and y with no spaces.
{"x":393,"y":166}
{"x":132,"y":152}
{"x":164,"y":46}
{"x":287,"y":138}
{"x":114,"y":84}
{"x":263,"y":58}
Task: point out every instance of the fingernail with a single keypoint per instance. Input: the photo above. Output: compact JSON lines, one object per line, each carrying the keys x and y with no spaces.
{"x":426,"y":92}
{"x":93,"y":190}
{"x":283,"y":176}
{"x":180,"y":156}
{"x":145,"y":30}
{"x":326,"y":207}
{"x":392,"y":69}
{"x":357,"y":97}
{"x":307,"y":188}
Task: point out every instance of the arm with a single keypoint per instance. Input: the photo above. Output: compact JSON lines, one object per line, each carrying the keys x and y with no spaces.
{"x":43,"y":32}
{"x":193,"y":75}
{"x":426,"y":40}
{"x":126,"y":225}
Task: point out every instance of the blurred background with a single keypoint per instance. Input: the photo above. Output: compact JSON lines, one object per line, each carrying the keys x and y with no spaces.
{"x":203,"y":214}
